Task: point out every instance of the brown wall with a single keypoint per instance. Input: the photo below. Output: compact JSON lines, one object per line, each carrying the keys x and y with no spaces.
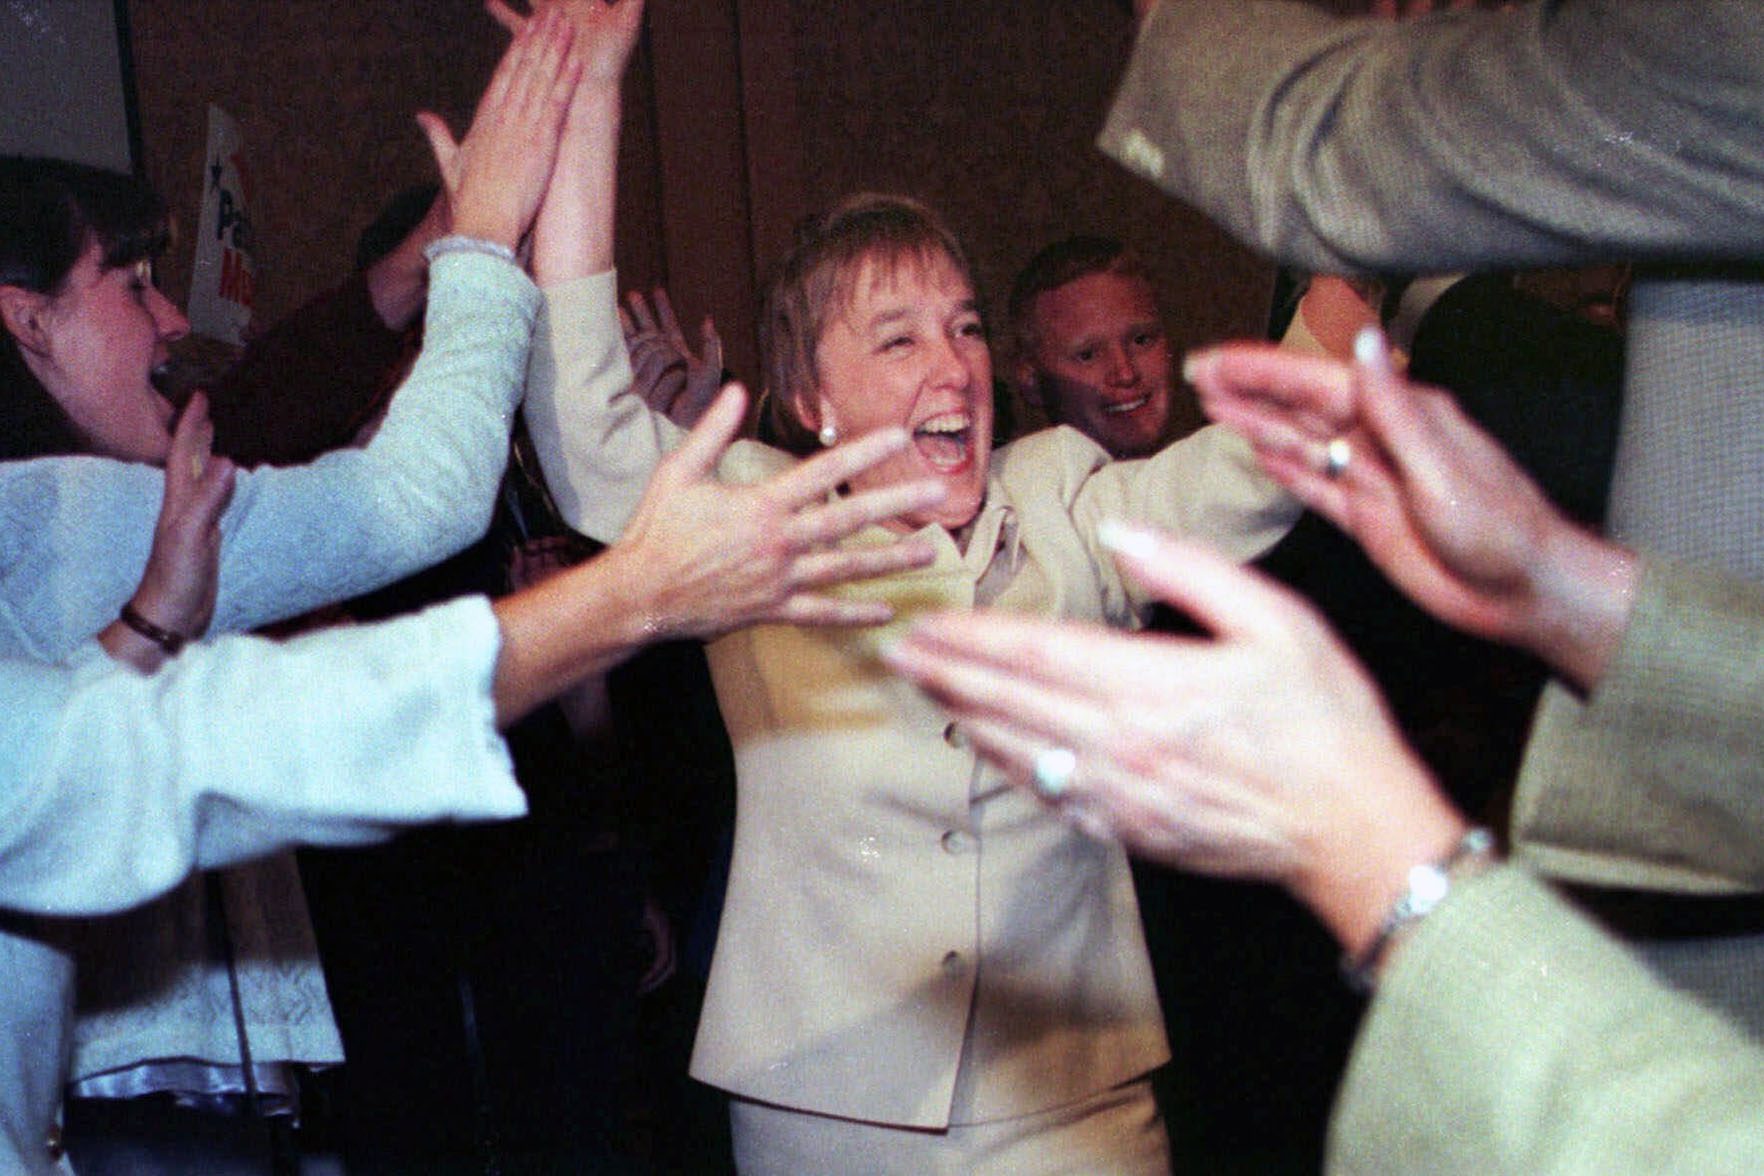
{"x":743,"y":116}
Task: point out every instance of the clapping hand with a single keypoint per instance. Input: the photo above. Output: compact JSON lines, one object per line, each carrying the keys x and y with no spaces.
{"x":1261,"y":751}
{"x":670,"y":378}
{"x":1435,"y":502}
{"x":178,"y":588}
{"x":497,"y":175}
{"x":710,"y":557}
{"x":606,"y":30}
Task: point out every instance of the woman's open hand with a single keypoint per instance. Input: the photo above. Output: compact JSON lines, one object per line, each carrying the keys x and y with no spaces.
{"x":1435,"y":502}
{"x":178,"y":587}
{"x":497,"y":175}
{"x":709,"y":557}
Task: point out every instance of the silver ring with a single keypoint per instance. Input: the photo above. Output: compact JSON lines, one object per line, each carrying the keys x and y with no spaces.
{"x":1337,"y":456}
{"x":1053,"y":772}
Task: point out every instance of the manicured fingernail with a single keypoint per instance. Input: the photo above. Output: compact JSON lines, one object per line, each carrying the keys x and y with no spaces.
{"x":1126,"y":539}
{"x":1369,"y":348}
{"x":1191,"y":362}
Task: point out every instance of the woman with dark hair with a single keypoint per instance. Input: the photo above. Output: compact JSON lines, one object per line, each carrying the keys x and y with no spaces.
{"x":84,"y":332}
{"x":56,"y":217}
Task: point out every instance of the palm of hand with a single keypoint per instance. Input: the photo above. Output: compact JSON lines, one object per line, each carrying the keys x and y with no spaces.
{"x":1246,"y":745}
{"x":1459,"y":527}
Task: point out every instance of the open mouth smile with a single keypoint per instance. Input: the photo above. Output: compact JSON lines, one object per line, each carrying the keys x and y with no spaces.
{"x":944,"y":441}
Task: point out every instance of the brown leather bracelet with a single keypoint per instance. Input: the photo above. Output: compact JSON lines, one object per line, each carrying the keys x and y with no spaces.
{"x":167,"y":640}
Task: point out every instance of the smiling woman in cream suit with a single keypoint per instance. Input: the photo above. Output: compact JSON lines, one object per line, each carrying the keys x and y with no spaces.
{"x":917,"y":969}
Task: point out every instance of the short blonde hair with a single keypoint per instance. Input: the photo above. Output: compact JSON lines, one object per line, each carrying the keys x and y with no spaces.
{"x":819,"y":275}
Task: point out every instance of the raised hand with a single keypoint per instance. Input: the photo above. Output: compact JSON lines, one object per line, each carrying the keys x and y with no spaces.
{"x":606,"y":31}
{"x":1435,"y":502}
{"x":496,"y":177}
{"x":1260,"y":752}
{"x":670,"y":378}
{"x":709,"y":557}
{"x":177,"y":592}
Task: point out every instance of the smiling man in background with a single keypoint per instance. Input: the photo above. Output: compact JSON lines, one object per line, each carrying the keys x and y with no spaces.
{"x":1090,"y":344}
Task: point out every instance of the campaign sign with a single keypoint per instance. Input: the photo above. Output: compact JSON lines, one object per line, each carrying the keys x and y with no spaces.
{"x":222,"y":285}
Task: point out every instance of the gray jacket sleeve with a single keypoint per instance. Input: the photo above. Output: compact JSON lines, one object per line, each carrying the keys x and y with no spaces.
{"x":1554,"y":134}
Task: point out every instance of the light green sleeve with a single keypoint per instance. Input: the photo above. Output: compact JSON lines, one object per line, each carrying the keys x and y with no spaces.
{"x":1510,"y":1035}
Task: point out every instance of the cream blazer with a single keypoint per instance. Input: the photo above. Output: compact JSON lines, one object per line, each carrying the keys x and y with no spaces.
{"x":906,"y":939}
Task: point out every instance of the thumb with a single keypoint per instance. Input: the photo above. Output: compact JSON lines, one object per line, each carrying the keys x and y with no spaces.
{"x":1226,"y":598}
{"x":505,"y":16}
{"x":705,"y":444}
{"x":712,"y":348}
{"x":441,"y":143}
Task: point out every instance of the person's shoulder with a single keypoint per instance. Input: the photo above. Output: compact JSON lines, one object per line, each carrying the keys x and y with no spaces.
{"x":1056,"y":447}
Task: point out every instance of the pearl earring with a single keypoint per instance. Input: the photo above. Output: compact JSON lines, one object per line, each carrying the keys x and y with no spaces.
{"x":829,"y":436}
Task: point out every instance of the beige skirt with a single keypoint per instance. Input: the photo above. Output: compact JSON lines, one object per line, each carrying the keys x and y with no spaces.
{"x":1115,"y":1131}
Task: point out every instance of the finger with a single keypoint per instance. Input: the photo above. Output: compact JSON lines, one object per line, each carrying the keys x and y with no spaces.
{"x":1064,"y":656}
{"x":1224,"y":597}
{"x":1398,"y":416}
{"x":711,"y":344}
{"x":804,"y":608}
{"x":640,"y":311}
{"x":698,"y":454}
{"x":1014,"y":752}
{"x":563,"y":69}
{"x":835,"y":520}
{"x":542,"y":45}
{"x":1042,"y":706}
{"x":442,"y":144}
{"x":505,"y":16}
{"x":191,"y":444}
{"x":1296,"y":471}
{"x":214,"y":491}
{"x":1274,"y":377}
{"x":513,"y":59}
{"x":664,"y":316}
{"x":626,"y":325}
{"x":825,"y":568}
{"x":1276,"y":431}
{"x":815,"y":478}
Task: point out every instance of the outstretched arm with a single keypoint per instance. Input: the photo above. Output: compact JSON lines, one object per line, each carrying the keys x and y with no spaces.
{"x":573,"y":237}
{"x":597,"y":442}
{"x":228,"y":753}
{"x":700,"y":558}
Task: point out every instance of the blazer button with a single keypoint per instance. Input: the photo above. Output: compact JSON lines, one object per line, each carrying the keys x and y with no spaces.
{"x":955,"y":737}
{"x":53,"y":1144}
{"x":957,"y":842}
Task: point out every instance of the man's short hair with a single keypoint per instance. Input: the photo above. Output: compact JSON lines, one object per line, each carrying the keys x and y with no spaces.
{"x":1059,"y":264}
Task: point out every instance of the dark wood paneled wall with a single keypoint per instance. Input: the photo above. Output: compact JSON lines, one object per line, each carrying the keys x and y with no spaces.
{"x":742,"y":116}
